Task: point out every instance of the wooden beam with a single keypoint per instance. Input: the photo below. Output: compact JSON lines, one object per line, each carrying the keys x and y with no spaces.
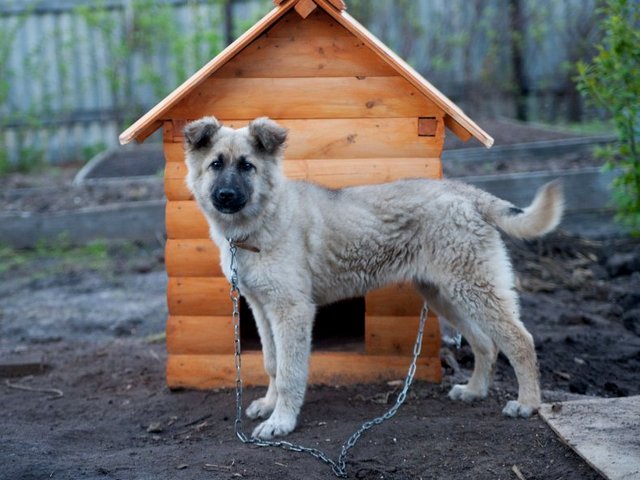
{"x":198,"y":335}
{"x":354,"y":138}
{"x":195,"y":296}
{"x":332,"y":173}
{"x":305,"y":98}
{"x":427,"y":126}
{"x":339,"y":4}
{"x":329,"y":368}
{"x":397,"y":335}
{"x":305,"y":7}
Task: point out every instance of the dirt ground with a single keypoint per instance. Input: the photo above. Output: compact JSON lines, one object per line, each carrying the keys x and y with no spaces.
{"x":104,"y":411}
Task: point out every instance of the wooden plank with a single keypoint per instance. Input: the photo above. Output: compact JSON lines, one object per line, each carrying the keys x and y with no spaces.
{"x":397,"y":335}
{"x":317,"y":24}
{"x":408,"y":72}
{"x":173,"y":151}
{"x":143,"y":124}
{"x":305,"y":7}
{"x":393,"y":301}
{"x":332,"y":173}
{"x":329,"y":368}
{"x":184,"y":219}
{"x":194,"y":257}
{"x":457,"y":129}
{"x":305,"y":98}
{"x":355,"y":138}
{"x":339,"y":4}
{"x":197,"y":335}
{"x":427,"y":126}
{"x":22,"y":365}
{"x":193,"y":296}
{"x":296,"y":56}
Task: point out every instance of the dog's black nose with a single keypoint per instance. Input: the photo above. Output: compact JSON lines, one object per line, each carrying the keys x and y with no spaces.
{"x":226,"y":195}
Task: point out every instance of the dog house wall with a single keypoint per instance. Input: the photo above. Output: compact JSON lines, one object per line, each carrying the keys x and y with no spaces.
{"x":353,"y":119}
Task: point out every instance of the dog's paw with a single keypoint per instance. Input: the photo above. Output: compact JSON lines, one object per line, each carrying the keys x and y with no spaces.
{"x":516,"y":409}
{"x":275,"y":426}
{"x":464,"y":393}
{"x":260,"y":408}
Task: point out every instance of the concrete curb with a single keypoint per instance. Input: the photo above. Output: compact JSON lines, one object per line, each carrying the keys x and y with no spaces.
{"x":523,"y":151}
{"x":135,"y":221}
{"x":587,"y":195}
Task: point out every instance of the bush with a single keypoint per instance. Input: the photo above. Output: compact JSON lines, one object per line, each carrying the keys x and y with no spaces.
{"x":612,"y":82}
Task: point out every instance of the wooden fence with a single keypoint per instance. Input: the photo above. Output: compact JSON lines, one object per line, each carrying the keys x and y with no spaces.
{"x":73,"y":73}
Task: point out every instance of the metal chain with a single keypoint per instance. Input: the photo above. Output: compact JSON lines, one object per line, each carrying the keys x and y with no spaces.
{"x":338,"y":467}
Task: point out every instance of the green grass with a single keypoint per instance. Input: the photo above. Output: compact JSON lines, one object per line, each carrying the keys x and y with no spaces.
{"x":591,"y":127}
{"x":50,"y":257}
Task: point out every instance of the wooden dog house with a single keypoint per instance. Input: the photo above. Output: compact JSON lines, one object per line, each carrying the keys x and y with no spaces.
{"x":356,"y":114}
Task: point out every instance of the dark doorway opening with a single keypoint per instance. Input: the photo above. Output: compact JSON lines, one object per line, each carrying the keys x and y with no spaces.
{"x":337,"y":327}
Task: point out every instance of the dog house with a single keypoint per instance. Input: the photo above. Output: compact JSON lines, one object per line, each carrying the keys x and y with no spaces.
{"x":356,"y":114}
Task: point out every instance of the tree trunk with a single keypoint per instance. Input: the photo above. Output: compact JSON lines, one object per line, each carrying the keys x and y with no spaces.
{"x":518,"y":31}
{"x":229,"y":26}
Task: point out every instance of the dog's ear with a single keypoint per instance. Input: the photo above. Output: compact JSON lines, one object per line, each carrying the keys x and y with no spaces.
{"x":199,"y":134}
{"x":267,"y":135}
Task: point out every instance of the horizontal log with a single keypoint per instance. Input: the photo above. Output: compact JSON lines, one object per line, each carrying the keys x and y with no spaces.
{"x":332,"y":173}
{"x":329,"y":368}
{"x":355,"y":138}
{"x":175,"y":183}
{"x":394,"y":301}
{"x":173,"y":153}
{"x":397,"y":335}
{"x":196,"y":335}
{"x":192,"y":258}
{"x":305,"y":98}
{"x":183,"y":219}
{"x":303,"y":56}
{"x":176,"y":189}
{"x":192,"y":296}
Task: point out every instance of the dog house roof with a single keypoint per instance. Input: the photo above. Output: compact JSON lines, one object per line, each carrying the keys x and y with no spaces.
{"x":455,"y":119}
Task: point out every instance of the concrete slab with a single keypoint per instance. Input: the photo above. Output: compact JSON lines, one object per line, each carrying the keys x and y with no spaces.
{"x":605,"y":432}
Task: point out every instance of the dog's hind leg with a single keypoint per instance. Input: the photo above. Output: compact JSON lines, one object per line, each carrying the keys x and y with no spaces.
{"x":493,"y":314}
{"x":484,"y":349}
{"x":291,"y":323}
{"x":262,"y":407}
{"x":516,"y":343}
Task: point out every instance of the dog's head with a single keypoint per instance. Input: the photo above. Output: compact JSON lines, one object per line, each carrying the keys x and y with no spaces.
{"x":230,"y":171}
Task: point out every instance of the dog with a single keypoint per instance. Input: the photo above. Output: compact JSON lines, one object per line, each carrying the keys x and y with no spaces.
{"x":318,"y":245}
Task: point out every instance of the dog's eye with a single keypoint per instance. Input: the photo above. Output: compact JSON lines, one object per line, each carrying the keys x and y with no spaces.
{"x":245,"y":165}
{"x":217,"y":164}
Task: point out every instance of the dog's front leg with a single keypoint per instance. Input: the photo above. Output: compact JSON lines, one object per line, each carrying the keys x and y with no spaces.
{"x":291,"y":323}
{"x":262,"y":407}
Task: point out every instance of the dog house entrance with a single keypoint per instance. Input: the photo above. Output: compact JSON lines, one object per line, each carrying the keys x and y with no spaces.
{"x":337,"y":327}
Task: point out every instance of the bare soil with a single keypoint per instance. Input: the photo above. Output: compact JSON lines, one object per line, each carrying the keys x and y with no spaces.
{"x":95,"y":322}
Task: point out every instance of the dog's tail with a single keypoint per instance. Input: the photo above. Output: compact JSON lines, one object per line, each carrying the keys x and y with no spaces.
{"x":539,"y":218}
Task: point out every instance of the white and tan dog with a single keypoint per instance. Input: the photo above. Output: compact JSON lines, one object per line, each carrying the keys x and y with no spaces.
{"x":318,"y":246}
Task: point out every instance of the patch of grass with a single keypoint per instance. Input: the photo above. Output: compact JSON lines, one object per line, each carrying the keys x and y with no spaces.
{"x":50,"y":257}
{"x":590,"y":127}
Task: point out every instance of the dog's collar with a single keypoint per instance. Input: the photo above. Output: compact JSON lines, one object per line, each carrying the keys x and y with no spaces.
{"x":243,"y":245}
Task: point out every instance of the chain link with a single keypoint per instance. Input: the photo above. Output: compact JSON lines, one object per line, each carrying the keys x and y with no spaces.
{"x":338,"y":467}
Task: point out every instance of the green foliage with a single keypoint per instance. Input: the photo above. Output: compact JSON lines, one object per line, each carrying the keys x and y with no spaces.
{"x":51,"y":257}
{"x":612,"y":82}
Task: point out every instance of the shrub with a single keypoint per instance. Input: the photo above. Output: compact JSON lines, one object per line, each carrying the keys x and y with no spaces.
{"x":612,"y":82}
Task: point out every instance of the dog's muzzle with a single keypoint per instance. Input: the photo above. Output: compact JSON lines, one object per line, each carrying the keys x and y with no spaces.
{"x":228,"y":200}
